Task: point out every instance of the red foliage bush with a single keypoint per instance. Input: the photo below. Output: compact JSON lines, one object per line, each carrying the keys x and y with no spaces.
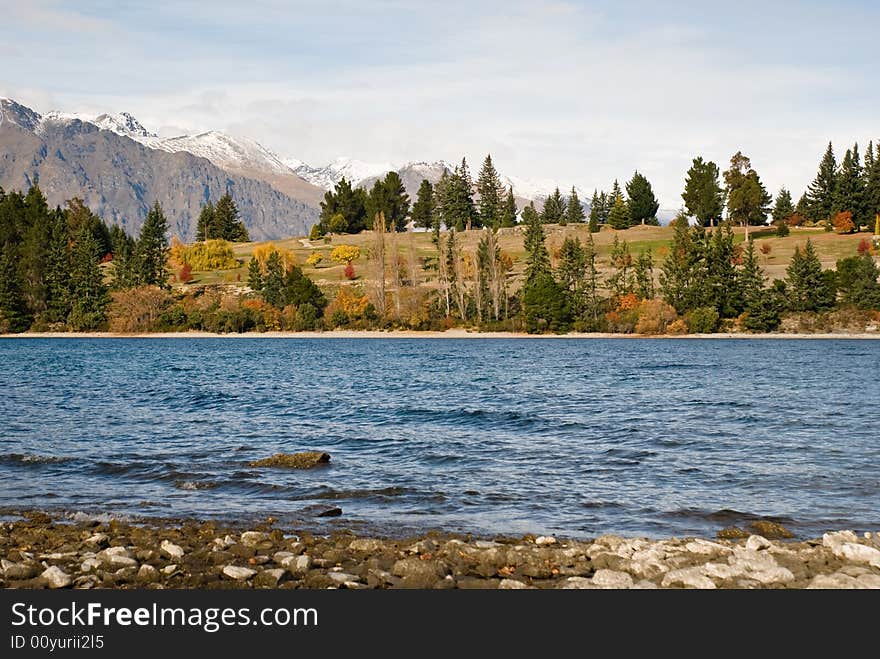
{"x":349,"y":271}
{"x":184,"y":275}
{"x":864,"y":246}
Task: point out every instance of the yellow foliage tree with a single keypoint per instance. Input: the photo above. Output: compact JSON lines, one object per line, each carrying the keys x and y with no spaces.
{"x":207,"y":255}
{"x":314,"y":259}
{"x":264,"y":251}
{"x":345,"y":253}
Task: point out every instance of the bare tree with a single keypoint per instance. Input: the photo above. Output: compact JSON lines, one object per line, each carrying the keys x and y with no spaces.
{"x":377,"y":261}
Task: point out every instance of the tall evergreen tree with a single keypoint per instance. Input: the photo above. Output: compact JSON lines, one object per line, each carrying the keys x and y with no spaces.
{"x":491,"y":191}
{"x":703,"y":196}
{"x":273,"y":281}
{"x":749,"y":279}
{"x":618,"y":215}
{"x":572,"y":265}
{"x":574,"y":214}
{"x":206,"y":228}
{"x":821,"y":192}
{"x":537,"y":256}
{"x":849,"y":188}
{"x":782,"y":207}
{"x":643,"y":205}
{"x":720,"y":272}
{"x":255,"y":275}
{"x":872,"y":183}
{"x":423,"y":209}
{"x":58,"y":270}
{"x":643,"y":277}
{"x":748,"y":201}
{"x":226,"y":218}
{"x":857,"y":281}
{"x":88,"y":293}
{"x":151,"y":250}
{"x":620,"y":280}
{"x":123,"y":269}
{"x":595,"y":212}
{"x":808,"y":288}
{"x":388,"y":196}
{"x":554,"y":208}
{"x":682,"y":275}
{"x":508,"y":219}
{"x":14,"y":314}
{"x":349,"y":202}
{"x":458,"y":202}
{"x":32,"y":250}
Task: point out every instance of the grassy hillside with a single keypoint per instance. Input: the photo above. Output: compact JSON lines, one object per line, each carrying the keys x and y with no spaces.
{"x":830,"y":247}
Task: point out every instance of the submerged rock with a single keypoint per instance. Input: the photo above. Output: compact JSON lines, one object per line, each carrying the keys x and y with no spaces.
{"x":304,"y":460}
{"x":770,"y":529}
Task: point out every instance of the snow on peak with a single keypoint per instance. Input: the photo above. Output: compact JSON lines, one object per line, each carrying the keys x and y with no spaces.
{"x":353,"y":170}
{"x":18,"y":114}
{"x":122,"y":123}
{"x":225,"y":151}
{"x":540,"y":189}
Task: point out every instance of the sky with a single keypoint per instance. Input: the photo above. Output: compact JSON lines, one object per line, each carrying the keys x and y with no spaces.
{"x":578,"y":92}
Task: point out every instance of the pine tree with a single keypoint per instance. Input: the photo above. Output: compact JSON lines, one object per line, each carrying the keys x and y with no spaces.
{"x":572,"y":267}
{"x":491,"y":191}
{"x":643,"y":205}
{"x":273,"y":281}
{"x":643,"y":278}
{"x":782,"y":207}
{"x":424,"y":209}
{"x":388,"y":196}
{"x":348,"y":202}
{"x":747,"y":199}
{"x":808,"y":288}
{"x":226,"y":221}
{"x":554,"y":209}
{"x":205,"y":227}
{"x":821,"y":192}
{"x":749,"y":279}
{"x":14,"y":314}
{"x":849,"y":188}
{"x":151,"y":251}
{"x":620,"y":281}
{"x":720,"y":272}
{"x":122,"y":271}
{"x":508,"y":219}
{"x":857,"y":281}
{"x":255,"y":275}
{"x":88,"y":293}
{"x":537,"y":256}
{"x":595,"y":213}
{"x":618,"y":215}
{"x":57,"y":275}
{"x":457,"y":200}
{"x":703,"y":196}
{"x":32,"y":250}
{"x":872,"y":183}
{"x":682,"y":271}
{"x":575,"y":212}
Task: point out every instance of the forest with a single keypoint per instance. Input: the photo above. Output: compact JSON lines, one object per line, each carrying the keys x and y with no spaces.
{"x":463,"y":255}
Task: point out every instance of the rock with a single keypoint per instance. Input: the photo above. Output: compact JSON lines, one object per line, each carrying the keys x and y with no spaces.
{"x":147,"y":574}
{"x":545,"y":540}
{"x":722,"y":571}
{"x":283,"y":558}
{"x":511,"y":584}
{"x":18,"y":571}
{"x":168,"y":570}
{"x":644,"y":584}
{"x":486,"y":544}
{"x":97,"y":540}
{"x":835,"y":581}
{"x":757,"y":542}
{"x":300,"y":564}
{"x":367,"y":545}
{"x":238,"y":573}
{"x":732,"y":533}
{"x":343,"y":577}
{"x":253,"y":538}
{"x":748,"y":560}
{"x":269,"y":578}
{"x":417,"y":573}
{"x":116,"y":557}
{"x":857,"y":553}
{"x":426,"y":546}
{"x":170,"y":550}
{"x":837,"y":538}
{"x":612,"y":579}
{"x":770,"y":529}
{"x":870,"y":581}
{"x":772,"y":575}
{"x":90,"y":564}
{"x":56,"y":577}
{"x":705,"y":547}
{"x":687,"y":578}
{"x":304,"y":460}
{"x":577,"y":583}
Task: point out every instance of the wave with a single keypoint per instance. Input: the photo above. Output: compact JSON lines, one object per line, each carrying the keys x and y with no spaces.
{"x":31,"y":459}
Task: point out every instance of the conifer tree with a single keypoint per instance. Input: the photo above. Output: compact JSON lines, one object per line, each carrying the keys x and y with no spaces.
{"x":388,"y":196}
{"x":618,"y":215}
{"x":620,"y":281}
{"x":151,"y":251}
{"x":14,"y":314}
{"x":458,"y":203}
{"x":872,"y":183}
{"x":88,"y":293}
{"x":703,"y":196}
{"x":554,"y":208}
{"x":591,"y":300}
{"x":572,"y":267}
{"x":491,"y":191}
{"x":58,"y":270}
{"x":205,"y":227}
{"x":273,"y":281}
{"x":348,"y":202}
{"x":643,"y":205}
{"x":595,"y":213}
{"x":423,"y":209}
{"x":720,"y":272}
{"x":748,"y":201}
{"x":849,"y":188}
{"x":227,"y":222}
{"x":32,"y":250}
{"x":537,"y":256}
{"x":782,"y":207}
{"x":821,"y":192}
{"x":122,"y":270}
{"x":508,"y":219}
{"x":643,"y":278}
{"x":808,"y":289}
{"x":749,"y":279}
{"x":575,"y":212}
{"x":680,"y":271}
{"x":255,"y":275}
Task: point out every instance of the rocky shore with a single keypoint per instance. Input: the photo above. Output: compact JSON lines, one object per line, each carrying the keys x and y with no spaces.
{"x":40,"y":552}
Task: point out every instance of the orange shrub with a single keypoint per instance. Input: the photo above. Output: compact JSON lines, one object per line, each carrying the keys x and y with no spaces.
{"x":843,"y":222}
{"x":137,"y":309}
{"x":655,"y":316}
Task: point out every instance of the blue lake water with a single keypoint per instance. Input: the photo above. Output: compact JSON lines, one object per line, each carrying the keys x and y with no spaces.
{"x":574,"y":437}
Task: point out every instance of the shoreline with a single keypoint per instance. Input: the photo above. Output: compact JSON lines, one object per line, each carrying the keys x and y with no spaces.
{"x":447,"y":334}
{"x":41,"y":552}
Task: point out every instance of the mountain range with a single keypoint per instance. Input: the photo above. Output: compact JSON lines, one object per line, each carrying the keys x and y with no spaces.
{"x":120,"y":168}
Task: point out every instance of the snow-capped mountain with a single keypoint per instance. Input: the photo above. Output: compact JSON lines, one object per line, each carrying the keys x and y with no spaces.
{"x":540,"y":189}
{"x":326,"y":177}
{"x":123,"y":123}
{"x":224,"y":150}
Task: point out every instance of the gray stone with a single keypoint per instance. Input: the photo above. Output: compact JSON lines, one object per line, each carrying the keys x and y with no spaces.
{"x":147,"y":574}
{"x":170,"y":550}
{"x":577,"y":583}
{"x":545,"y":540}
{"x":56,"y":577}
{"x":253,"y":538}
{"x":612,"y":579}
{"x":834,"y":581}
{"x":343,"y":577}
{"x":238,"y":573}
{"x":300,"y":564}
{"x":269,"y":578}
{"x":687,"y":578}
{"x":90,"y":564}
{"x":417,"y":573}
{"x":512,"y":584}
{"x":18,"y":571}
{"x":757,"y":542}
{"x":366,"y":544}
{"x":168,"y":570}
{"x":97,"y":540}
{"x":116,"y":557}
{"x":772,"y":575}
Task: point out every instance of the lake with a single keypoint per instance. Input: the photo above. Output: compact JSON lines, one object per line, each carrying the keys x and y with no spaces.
{"x":575,"y":437}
